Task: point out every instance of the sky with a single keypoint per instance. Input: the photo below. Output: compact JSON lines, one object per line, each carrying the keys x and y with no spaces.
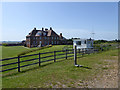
{"x":72,"y":19}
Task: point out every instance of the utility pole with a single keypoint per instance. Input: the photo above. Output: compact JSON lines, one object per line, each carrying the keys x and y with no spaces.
{"x":93,"y":32}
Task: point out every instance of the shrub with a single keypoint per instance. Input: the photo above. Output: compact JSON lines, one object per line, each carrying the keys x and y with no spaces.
{"x":4,"y":44}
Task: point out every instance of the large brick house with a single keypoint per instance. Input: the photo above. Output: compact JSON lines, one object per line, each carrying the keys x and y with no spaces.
{"x":44,"y":37}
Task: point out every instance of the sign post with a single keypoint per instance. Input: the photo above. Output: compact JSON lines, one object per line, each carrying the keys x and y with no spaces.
{"x":75,"y":57}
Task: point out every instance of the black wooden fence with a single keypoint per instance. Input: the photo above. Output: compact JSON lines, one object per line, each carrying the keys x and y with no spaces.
{"x":19,"y":65}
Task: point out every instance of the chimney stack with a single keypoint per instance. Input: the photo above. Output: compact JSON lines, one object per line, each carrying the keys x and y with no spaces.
{"x":50,"y":28}
{"x":42,"y":29}
{"x":34,"y":28}
{"x":60,"y":34}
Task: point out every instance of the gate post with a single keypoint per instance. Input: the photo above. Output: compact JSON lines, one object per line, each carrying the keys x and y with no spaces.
{"x":75,"y":55}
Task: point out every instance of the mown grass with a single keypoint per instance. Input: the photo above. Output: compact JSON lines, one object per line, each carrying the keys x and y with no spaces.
{"x":13,"y":51}
{"x":62,"y":73}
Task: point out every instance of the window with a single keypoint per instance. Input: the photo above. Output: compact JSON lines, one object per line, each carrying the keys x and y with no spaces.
{"x":52,"y":42}
{"x":55,"y":37}
{"x":78,"y":42}
{"x":85,"y":42}
{"x":52,"y":37}
{"x":40,"y":37}
{"x":55,"y":42}
{"x":33,"y":42}
{"x":40,"y":42}
{"x":27,"y":37}
{"x":45,"y":38}
{"x":39,"y":33}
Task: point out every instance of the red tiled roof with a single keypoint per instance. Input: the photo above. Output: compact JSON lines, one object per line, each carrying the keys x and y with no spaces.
{"x":34,"y":32}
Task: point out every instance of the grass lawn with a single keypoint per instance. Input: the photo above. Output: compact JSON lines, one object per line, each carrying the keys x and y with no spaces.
{"x":62,"y":73}
{"x":13,"y":51}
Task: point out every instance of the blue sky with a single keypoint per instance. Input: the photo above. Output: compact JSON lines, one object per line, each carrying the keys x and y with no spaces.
{"x":73,"y":19}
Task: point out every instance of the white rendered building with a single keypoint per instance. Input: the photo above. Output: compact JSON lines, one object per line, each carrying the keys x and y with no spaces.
{"x":83,"y":43}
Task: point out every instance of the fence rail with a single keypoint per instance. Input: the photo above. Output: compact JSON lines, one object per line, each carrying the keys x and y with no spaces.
{"x":55,"y":54}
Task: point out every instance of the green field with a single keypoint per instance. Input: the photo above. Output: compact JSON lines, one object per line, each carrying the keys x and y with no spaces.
{"x":11,"y":51}
{"x":60,"y":74}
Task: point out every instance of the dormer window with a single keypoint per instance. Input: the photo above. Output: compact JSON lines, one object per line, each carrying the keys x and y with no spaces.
{"x":39,"y":34}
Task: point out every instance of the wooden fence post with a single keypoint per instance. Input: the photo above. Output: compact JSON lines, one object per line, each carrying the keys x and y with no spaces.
{"x":93,"y":50}
{"x":79,"y":50}
{"x":54,"y":56}
{"x":85,"y":51}
{"x":18,"y":63}
{"x":39,"y":59}
{"x":82,"y":51}
{"x":66,"y":53}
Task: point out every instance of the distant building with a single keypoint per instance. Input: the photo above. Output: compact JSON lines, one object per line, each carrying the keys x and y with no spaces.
{"x":44,"y":37}
{"x":83,"y":43}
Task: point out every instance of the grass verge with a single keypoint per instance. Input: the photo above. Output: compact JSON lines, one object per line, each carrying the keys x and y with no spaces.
{"x":61,"y":74}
